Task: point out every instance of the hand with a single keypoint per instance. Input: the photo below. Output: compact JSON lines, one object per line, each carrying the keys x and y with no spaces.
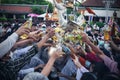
{"x":88,"y":48}
{"x":50,"y":32}
{"x":23,"y":30}
{"x":76,"y":61}
{"x":85,"y":37}
{"x":57,"y":54}
{"x":34,"y":35}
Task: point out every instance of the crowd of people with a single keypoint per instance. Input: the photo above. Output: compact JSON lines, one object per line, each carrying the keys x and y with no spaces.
{"x":31,"y":59}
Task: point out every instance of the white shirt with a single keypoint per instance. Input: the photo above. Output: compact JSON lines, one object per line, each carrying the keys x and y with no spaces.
{"x":6,"y":45}
{"x":80,"y":72}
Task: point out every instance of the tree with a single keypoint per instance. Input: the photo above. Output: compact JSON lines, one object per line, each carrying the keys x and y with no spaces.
{"x":35,"y":2}
{"x":50,"y":8}
{"x":37,"y":10}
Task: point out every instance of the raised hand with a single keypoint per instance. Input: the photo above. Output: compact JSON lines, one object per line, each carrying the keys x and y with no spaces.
{"x":76,"y":61}
{"x":23,"y":30}
{"x":85,"y":38}
{"x":50,"y":32}
{"x":34,"y":35}
{"x":57,"y":54}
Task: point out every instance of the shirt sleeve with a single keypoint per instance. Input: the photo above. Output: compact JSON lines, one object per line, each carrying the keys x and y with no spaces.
{"x":80,"y":72}
{"x":18,"y":53}
{"x":6,"y":45}
{"x":20,"y":62}
{"x":112,"y":65}
{"x":26,"y":71}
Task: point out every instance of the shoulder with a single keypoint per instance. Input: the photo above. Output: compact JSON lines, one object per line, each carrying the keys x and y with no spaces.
{"x":35,"y":76}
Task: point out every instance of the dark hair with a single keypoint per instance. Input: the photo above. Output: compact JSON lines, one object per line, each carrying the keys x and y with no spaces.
{"x":88,"y":76}
{"x":34,"y":24}
{"x":111,"y":76}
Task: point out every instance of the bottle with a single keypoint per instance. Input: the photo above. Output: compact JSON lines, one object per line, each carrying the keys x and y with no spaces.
{"x":107,"y":33}
{"x":27,"y":24}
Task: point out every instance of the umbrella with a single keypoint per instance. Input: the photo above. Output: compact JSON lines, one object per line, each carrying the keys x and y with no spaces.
{"x":33,"y":15}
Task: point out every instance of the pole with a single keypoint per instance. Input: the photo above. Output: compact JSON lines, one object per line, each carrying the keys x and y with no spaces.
{"x":107,"y":6}
{"x":74,"y":10}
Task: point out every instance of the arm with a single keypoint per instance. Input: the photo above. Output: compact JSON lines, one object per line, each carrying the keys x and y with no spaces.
{"x":46,"y":37}
{"x":114,"y":46}
{"x":80,"y":69}
{"x":94,"y":48}
{"x":71,"y":48}
{"x":83,"y":51}
{"x":22,"y":43}
{"x":87,"y":41}
{"x":47,"y":44}
{"x":26,"y":58}
{"x":112,"y":65}
{"x":26,"y":71}
{"x":46,"y":70}
{"x":6,"y":45}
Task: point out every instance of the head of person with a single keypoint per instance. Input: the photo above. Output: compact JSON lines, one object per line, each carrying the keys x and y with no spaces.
{"x":88,"y":76}
{"x":77,"y":49}
{"x":35,"y":76}
{"x":34,"y":27}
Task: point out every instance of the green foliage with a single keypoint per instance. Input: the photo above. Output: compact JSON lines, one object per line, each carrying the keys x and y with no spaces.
{"x":22,"y":1}
{"x":3,"y":19}
{"x":100,"y":24}
{"x":91,"y":23}
{"x":35,"y":2}
{"x":37,"y":10}
{"x":77,"y":14}
{"x":69,"y":10}
{"x":84,"y":24}
{"x":50,"y":8}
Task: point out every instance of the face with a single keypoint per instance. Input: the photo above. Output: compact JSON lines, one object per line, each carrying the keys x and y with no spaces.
{"x":78,"y":49}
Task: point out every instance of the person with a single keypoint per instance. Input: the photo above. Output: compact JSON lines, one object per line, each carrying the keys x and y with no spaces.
{"x":46,"y":70}
{"x":112,"y":65}
{"x":7,"y":44}
{"x":80,"y":69}
{"x":11,"y":68}
{"x":73,"y":66}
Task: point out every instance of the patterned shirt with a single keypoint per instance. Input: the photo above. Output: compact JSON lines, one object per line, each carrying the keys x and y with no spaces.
{"x":10,"y":69}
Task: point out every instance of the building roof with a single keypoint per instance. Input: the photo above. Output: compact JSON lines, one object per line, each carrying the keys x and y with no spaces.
{"x":99,"y":3}
{"x":19,"y":8}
